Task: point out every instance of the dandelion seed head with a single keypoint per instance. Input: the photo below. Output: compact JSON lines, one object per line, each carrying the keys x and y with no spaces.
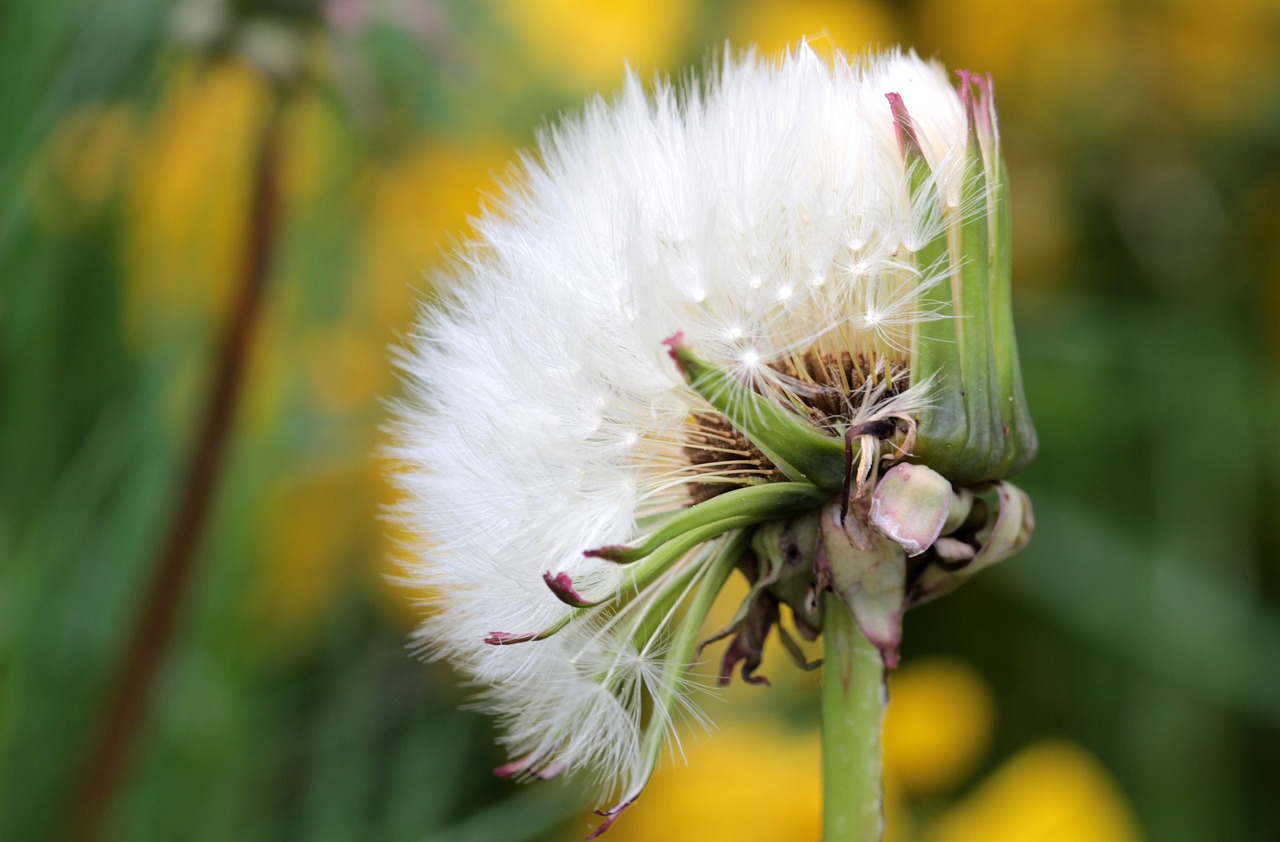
{"x":767,"y":216}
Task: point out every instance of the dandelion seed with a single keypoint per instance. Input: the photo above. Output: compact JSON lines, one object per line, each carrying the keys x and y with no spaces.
{"x":702,"y":333}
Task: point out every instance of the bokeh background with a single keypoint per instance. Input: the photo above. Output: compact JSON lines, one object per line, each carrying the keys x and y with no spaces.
{"x":1120,"y":680}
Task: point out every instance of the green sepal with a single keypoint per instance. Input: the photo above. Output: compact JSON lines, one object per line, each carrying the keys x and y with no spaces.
{"x":1020,"y":432}
{"x":1009,"y":526}
{"x":977,"y":427}
{"x":799,"y":450}
{"x":680,"y":654}
{"x":644,"y":572}
{"x":769,"y":501}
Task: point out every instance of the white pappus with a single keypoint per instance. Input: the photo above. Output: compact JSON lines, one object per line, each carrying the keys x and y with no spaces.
{"x":767,"y":218}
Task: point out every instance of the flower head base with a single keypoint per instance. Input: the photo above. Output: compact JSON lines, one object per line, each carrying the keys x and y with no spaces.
{"x":762,"y":325}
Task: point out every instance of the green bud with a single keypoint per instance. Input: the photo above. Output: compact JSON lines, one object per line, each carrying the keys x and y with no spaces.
{"x":977,"y":427}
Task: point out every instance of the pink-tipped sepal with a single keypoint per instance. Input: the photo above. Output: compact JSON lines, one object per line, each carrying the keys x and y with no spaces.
{"x":561,"y":584}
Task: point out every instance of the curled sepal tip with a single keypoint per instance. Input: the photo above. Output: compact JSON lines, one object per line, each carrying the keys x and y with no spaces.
{"x":561,"y":584}
{"x":610,"y":816}
{"x":501,"y":638}
{"x":908,"y":140}
{"x":1005,"y":533}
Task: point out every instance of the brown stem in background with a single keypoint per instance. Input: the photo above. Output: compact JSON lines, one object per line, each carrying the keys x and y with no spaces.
{"x":109,"y":763}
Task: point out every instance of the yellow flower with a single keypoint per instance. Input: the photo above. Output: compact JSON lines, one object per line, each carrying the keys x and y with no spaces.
{"x":849,"y":25}
{"x":189,"y":186}
{"x":1213,"y":61}
{"x":316,"y":528}
{"x":937,"y":726}
{"x":757,"y":779}
{"x":588,"y":42}
{"x":752,"y":779}
{"x":417,"y":205}
{"x":1047,"y":55}
{"x":1052,"y":792}
{"x":345,"y":369}
{"x":321,"y":539}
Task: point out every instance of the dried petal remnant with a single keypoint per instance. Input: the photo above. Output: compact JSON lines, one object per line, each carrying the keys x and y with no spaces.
{"x":725,"y":457}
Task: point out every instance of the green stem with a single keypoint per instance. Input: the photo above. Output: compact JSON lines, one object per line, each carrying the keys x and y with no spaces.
{"x":853,"y":700}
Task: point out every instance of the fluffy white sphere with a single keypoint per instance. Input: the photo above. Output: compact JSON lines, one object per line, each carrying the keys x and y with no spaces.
{"x":766,"y":214}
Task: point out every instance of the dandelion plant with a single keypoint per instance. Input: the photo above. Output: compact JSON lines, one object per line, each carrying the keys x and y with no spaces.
{"x":758,"y":326}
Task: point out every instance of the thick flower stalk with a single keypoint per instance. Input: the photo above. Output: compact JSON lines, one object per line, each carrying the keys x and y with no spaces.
{"x":760,"y":325}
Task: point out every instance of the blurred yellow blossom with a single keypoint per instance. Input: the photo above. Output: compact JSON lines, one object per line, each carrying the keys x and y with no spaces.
{"x":754,"y":779}
{"x":1208,"y":59}
{"x":1048,"y":55}
{"x":419,"y":206}
{"x":938,"y":724}
{"x":1052,"y":792}
{"x":190,"y":179}
{"x":850,"y":25}
{"x":759,"y":779}
{"x":345,"y":368}
{"x":315,"y":526}
{"x":588,"y":42}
